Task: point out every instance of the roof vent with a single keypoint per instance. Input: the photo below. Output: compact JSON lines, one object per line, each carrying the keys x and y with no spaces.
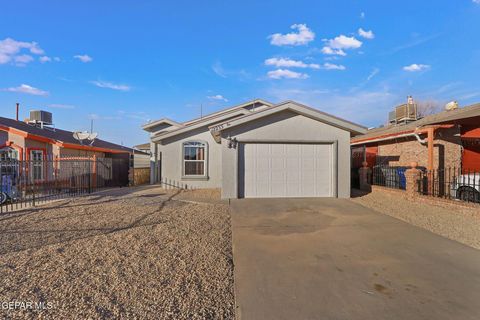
{"x":41,"y":117}
{"x":452,"y":105}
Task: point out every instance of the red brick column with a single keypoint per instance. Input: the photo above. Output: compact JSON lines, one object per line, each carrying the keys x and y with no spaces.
{"x":412,"y":177}
{"x":363,"y":173}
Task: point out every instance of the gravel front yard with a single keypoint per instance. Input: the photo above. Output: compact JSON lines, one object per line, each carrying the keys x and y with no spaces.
{"x":462,"y":225}
{"x":129,"y":253}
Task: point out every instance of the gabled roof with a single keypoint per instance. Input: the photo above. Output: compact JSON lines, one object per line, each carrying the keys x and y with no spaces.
{"x":219,"y":116}
{"x":438,"y":118}
{"x":62,"y":137}
{"x":143,"y":146}
{"x":258,"y":102}
{"x":199,"y":124}
{"x":297,"y":108}
{"x":149,"y":126}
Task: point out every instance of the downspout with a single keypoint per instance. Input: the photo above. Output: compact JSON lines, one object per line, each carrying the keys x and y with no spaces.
{"x":422,"y":141}
{"x":405,"y":135}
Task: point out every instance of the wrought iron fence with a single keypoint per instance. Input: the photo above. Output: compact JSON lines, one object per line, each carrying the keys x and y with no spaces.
{"x":451,"y":183}
{"x":390,"y":177}
{"x":31,"y":182}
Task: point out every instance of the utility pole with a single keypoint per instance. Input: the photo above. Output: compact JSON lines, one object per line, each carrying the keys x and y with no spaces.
{"x":91,"y":125}
{"x":201,"y":110}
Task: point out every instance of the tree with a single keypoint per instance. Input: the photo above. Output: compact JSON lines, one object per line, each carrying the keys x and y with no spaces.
{"x":428,"y":107}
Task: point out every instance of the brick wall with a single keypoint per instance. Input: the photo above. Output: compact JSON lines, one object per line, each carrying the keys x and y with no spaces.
{"x":401,"y":152}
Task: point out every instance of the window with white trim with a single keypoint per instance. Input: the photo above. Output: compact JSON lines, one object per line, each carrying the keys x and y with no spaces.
{"x":36,"y":157}
{"x":7,"y":154}
{"x":194,"y":158}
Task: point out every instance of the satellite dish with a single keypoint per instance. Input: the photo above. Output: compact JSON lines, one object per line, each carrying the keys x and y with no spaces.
{"x":81,"y":136}
{"x":452,"y":105}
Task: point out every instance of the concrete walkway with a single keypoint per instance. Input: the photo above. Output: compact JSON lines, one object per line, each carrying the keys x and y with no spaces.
{"x":334,"y":259}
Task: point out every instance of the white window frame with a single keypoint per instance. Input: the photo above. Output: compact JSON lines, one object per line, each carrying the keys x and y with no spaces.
{"x":195,"y":143}
{"x":8,"y":154}
{"x":37,"y":164}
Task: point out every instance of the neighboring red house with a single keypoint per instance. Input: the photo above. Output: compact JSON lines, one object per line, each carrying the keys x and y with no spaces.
{"x":449,"y":139}
{"x":37,"y":141}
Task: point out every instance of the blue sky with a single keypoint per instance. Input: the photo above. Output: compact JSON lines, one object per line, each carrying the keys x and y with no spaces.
{"x":125,"y":62}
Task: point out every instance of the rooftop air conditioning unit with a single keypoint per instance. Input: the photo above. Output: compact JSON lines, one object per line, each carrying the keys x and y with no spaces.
{"x":404,"y":113}
{"x":40,"y":116}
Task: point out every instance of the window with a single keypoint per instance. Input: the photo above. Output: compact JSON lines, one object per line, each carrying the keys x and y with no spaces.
{"x":8,"y":154}
{"x":194,"y":158}
{"x":36,"y":157}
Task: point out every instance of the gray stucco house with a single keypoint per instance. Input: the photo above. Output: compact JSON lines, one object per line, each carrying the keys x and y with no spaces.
{"x":256,"y":149}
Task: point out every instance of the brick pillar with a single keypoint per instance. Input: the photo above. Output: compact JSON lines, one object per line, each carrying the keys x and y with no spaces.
{"x":363,"y":173}
{"x":412,"y":177}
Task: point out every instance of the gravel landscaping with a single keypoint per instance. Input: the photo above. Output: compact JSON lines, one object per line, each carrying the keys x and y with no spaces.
{"x":136,"y":253}
{"x":459,"y":224}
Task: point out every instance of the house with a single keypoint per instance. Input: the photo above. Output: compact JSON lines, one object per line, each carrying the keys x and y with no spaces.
{"x":256,"y":149}
{"x":448,"y":139}
{"x":37,"y":141}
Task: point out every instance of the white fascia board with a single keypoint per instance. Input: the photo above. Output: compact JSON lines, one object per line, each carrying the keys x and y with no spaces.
{"x":155,"y":123}
{"x":297,"y":108}
{"x":221,"y":112}
{"x":199,"y":125}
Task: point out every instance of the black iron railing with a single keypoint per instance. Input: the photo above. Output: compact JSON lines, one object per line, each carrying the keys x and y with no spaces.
{"x":26,"y":183}
{"x":451,"y":183}
{"x":390,"y":177}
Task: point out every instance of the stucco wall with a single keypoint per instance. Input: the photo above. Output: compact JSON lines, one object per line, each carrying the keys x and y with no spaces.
{"x":172,"y":162}
{"x":401,"y":152}
{"x":3,"y":137}
{"x":285,"y":127}
{"x":66,"y":153}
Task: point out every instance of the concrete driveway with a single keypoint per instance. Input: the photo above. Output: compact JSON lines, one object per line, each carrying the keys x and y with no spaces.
{"x":334,"y":259}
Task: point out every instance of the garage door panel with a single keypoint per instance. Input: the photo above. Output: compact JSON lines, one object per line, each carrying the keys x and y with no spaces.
{"x":287,"y":170}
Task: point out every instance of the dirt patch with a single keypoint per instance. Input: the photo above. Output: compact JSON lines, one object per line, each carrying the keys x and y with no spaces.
{"x":130,"y":253}
{"x":459,"y":225}
{"x":200,"y":195}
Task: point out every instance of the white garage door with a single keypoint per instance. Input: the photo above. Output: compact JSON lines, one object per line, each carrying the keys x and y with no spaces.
{"x":287,"y":170}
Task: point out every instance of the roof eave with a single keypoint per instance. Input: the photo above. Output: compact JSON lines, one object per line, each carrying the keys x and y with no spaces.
{"x":297,"y":108}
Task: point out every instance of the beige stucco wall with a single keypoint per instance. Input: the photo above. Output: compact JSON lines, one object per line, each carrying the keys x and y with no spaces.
{"x":286,"y":126}
{"x":172,"y":164}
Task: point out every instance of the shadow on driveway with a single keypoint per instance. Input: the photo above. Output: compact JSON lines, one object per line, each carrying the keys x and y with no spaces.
{"x":335,"y":259}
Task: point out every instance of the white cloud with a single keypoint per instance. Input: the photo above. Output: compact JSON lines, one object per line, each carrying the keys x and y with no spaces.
{"x":217,"y":97}
{"x":332,"y":66}
{"x":330,"y":51}
{"x":416,"y":67}
{"x":356,"y":106}
{"x":302,"y":37}
{"x":289,"y":63}
{"x":362,"y":15}
{"x":23,"y":59}
{"x":25,"y":88}
{"x":344,"y":42}
{"x":372,"y":74}
{"x":287,"y":74}
{"x":109,"y":85}
{"x":10,"y":50}
{"x":366,"y":34}
{"x":44,"y":59}
{"x":61,"y":106}
{"x":476,"y":1}
{"x":218,"y":69}
{"x":338,"y":44}
{"x":83,"y":57}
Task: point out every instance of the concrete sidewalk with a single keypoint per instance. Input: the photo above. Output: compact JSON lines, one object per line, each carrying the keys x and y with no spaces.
{"x":334,"y":259}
